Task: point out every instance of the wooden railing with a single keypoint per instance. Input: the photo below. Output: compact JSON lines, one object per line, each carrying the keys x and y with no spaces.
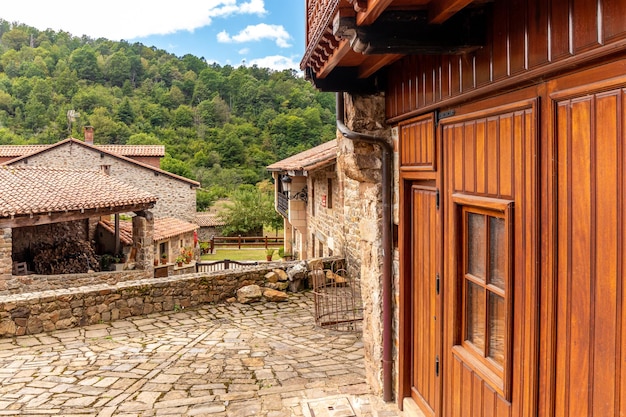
{"x":282,"y":205}
{"x":244,"y":242}
{"x":210,"y":266}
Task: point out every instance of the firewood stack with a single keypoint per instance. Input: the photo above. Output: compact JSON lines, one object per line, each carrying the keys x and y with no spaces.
{"x":66,"y":257}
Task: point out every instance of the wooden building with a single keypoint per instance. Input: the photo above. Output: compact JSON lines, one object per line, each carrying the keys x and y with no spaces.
{"x":511,"y":124}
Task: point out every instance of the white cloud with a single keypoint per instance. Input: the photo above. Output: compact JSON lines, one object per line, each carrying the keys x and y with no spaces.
{"x":276,"y":33}
{"x":275,"y":62}
{"x":123,"y":19}
{"x":244,"y":51}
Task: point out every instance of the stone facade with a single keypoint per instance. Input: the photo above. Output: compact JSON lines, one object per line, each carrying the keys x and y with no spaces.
{"x":65,"y":308}
{"x":177,"y":197}
{"x":361,"y":164}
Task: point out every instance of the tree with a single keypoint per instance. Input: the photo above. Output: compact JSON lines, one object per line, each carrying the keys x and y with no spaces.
{"x":85,"y":63}
{"x":247,"y":212}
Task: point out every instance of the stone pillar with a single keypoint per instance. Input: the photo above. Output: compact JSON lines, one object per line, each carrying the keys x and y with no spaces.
{"x":361,"y":163}
{"x":143,"y":240}
{"x":6,"y":256}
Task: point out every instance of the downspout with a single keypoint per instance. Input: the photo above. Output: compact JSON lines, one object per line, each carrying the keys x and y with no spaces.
{"x":387,"y":236}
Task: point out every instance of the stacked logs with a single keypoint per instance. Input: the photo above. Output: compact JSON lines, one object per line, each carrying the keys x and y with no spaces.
{"x":65,"y":257}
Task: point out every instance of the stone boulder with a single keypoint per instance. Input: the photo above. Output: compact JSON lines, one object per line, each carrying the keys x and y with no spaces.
{"x":271,"y":276}
{"x":298,"y":271}
{"x":274,"y":295}
{"x":249,"y":294}
{"x":282,"y":275}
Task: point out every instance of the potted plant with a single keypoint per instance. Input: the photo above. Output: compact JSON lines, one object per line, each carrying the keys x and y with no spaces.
{"x":179,"y":261}
{"x":285,"y":256}
{"x":269,"y":253}
{"x":163,"y":259}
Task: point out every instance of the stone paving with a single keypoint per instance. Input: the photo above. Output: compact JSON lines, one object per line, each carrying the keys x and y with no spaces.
{"x":219,"y":360}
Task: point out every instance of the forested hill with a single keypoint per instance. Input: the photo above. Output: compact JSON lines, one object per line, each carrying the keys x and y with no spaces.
{"x":220,"y":125}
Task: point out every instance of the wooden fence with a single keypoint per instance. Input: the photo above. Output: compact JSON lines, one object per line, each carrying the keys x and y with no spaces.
{"x":242,"y":242}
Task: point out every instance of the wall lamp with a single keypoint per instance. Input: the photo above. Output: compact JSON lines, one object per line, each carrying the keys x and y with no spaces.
{"x":300,"y":195}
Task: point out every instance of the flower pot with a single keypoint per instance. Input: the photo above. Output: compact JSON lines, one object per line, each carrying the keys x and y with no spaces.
{"x":269,"y":258}
{"x":156,"y":262}
{"x":163,"y":261}
{"x":179,"y":264}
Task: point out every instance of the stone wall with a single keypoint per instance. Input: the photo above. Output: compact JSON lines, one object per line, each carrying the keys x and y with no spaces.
{"x":177,"y":198}
{"x":71,"y":307}
{"x":361,"y":164}
{"x":325,"y":223}
{"x":6,"y":260}
{"x":21,"y":284}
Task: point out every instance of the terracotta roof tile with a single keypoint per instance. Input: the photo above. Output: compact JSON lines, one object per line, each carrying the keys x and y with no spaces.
{"x":169,"y":227}
{"x":42,"y":190}
{"x":134,"y":150}
{"x":164,"y":228}
{"x":126,"y":230}
{"x":208,"y":220}
{"x":125,"y":150}
{"x":312,"y":158}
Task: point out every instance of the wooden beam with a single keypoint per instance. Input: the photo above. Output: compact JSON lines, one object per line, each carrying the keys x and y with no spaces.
{"x":342,"y":50}
{"x":58,"y":217}
{"x":374,"y":9}
{"x":375,"y":62}
{"x":441,"y":10}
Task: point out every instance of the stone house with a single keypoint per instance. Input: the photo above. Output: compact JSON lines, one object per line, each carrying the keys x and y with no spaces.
{"x":488,"y":141}
{"x":170,"y":236}
{"x":135,"y":165}
{"x":50,"y":206}
{"x":315,"y":199}
{"x":209,"y":224}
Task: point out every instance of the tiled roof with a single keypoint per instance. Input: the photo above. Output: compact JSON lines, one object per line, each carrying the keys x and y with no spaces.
{"x":312,"y":158}
{"x":169,"y":227}
{"x":126,"y":230}
{"x":164,"y":228}
{"x":102,"y":150}
{"x":45,"y":190}
{"x":208,"y":220}
{"x":134,"y":150}
{"x":15,"y":151}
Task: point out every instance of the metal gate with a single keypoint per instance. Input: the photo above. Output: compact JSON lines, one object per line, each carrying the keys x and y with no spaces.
{"x":338,"y":304}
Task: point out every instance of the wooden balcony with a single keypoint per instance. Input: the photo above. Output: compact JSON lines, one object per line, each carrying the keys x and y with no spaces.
{"x":349,"y":41}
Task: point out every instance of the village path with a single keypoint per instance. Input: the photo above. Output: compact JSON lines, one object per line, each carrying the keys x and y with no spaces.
{"x":219,"y":360}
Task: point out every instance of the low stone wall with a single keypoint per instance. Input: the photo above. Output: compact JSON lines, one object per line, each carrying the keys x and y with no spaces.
{"x":19,"y":284}
{"x":46,"y":311}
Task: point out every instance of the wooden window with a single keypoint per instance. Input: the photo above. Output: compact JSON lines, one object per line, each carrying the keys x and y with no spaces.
{"x":485,"y":289}
{"x":329,"y":196}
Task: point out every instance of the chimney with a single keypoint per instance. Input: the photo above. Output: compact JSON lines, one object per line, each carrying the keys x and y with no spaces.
{"x":89,"y":134}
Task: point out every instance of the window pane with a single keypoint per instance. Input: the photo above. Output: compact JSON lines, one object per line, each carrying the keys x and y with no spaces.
{"x":497,"y":252}
{"x":476,"y":244}
{"x":496,"y":328}
{"x":475,"y":302}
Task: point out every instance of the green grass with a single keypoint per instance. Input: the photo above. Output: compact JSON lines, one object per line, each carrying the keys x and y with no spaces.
{"x":247,"y":254}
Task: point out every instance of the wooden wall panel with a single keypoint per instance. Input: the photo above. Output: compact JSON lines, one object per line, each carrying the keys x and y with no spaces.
{"x":417,"y":144}
{"x":590,"y":309}
{"x":524,"y":35}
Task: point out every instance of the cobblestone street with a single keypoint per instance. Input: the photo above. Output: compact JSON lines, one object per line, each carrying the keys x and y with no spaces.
{"x":219,"y":360}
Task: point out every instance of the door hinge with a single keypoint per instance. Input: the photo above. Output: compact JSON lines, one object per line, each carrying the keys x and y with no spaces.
{"x":437,"y":283}
{"x":437,"y":199}
{"x":437,"y":365}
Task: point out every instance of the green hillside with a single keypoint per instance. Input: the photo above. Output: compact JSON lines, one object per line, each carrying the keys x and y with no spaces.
{"x":220,"y":125}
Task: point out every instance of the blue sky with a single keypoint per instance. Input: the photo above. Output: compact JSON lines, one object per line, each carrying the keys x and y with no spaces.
{"x":268,"y":33}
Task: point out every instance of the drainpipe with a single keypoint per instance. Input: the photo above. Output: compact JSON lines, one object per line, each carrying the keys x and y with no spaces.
{"x":387,"y":236}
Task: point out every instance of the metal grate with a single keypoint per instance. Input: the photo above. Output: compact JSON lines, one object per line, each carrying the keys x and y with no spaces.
{"x":338,"y":303}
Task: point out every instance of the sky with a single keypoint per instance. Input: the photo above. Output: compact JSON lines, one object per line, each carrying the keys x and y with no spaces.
{"x":268,"y":33}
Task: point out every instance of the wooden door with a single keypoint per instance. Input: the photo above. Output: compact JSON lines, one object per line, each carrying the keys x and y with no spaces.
{"x":590,"y":361}
{"x":425,"y":317}
{"x":490,"y":252}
